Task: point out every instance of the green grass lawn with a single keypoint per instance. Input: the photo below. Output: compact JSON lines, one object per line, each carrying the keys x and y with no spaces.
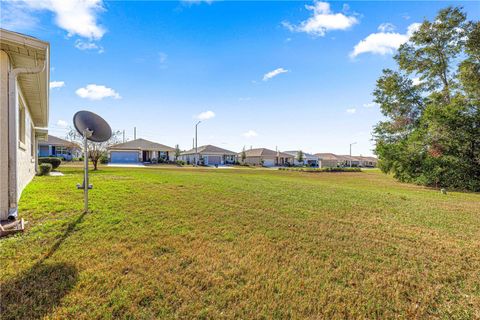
{"x":241,"y":244}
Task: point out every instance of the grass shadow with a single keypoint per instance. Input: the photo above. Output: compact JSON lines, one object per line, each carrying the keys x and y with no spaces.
{"x":34,"y":293}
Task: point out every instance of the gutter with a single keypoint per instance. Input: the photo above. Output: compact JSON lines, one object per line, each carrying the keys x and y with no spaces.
{"x":12,"y":135}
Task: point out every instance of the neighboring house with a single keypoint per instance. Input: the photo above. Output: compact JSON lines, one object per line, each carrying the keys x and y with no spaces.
{"x":328,"y":160}
{"x":209,"y":155}
{"x":368,"y":162}
{"x":349,"y":161}
{"x":308,"y":159}
{"x":140,"y":150}
{"x":333,"y":160}
{"x":56,"y":147}
{"x":24,"y":86}
{"x":267,"y":157}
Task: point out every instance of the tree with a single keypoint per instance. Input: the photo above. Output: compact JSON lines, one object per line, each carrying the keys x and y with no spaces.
{"x":243,"y":155}
{"x":95,"y":150}
{"x":300,"y":156}
{"x":430,"y":135}
{"x":177,"y":152}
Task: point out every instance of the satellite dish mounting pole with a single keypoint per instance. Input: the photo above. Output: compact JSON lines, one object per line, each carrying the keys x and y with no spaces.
{"x":85,"y":172}
{"x":86,"y":186}
{"x":91,"y":127}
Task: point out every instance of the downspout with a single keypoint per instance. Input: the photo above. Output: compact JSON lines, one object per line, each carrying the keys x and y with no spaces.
{"x":12,"y":135}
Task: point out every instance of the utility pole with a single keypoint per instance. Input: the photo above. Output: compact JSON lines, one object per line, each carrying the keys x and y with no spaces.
{"x":351,"y":153}
{"x":124,"y":136}
{"x":134,"y":133}
{"x":196,"y":143}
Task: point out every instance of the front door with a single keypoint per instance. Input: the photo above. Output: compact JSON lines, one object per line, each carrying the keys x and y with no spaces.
{"x":145,"y":156}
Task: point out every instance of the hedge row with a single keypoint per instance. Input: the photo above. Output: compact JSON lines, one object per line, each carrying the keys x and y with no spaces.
{"x":323,"y":169}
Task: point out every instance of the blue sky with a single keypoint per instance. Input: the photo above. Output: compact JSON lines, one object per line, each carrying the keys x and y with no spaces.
{"x":292,"y":75}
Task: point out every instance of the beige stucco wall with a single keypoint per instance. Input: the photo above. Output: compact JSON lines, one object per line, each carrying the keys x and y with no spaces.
{"x":4,"y":66}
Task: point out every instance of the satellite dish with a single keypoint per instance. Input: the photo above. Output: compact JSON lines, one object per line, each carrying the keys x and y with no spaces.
{"x":91,"y":127}
{"x":86,"y":121}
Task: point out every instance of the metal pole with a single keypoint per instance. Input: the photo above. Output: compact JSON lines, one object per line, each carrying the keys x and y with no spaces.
{"x":134,"y":133}
{"x":85,"y":177}
{"x":351,"y":153}
{"x":196,"y":143}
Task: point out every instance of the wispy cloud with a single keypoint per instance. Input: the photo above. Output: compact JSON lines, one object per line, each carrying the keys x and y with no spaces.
{"x":62,"y":124}
{"x":269,"y":75}
{"x":206,"y":115}
{"x":250,"y":134}
{"x":351,"y":111}
{"x":97,"y":92}
{"x":57,"y":84}
{"x":88,"y":45}
{"x":16,"y":15}
{"x":323,"y":19}
{"x":370,"y":105}
{"x":385,"y":41}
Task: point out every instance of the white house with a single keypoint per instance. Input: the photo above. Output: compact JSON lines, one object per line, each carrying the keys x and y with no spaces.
{"x":24,"y":86}
{"x":209,"y":155}
{"x":310,"y":160}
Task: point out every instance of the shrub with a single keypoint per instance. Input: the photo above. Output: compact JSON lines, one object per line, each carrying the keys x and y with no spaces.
{"x":44,"y":169}
{"x":55,"y":162}
{"x":155,"y":160}
{"x":307,"y":169}
{"x":103,"y":159}
{"x":180,"y":162}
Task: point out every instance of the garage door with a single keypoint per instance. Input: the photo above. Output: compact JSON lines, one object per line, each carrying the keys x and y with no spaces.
{"x":212,"y":160}
{"x":268,"y":162}
{"x":123,"y":157}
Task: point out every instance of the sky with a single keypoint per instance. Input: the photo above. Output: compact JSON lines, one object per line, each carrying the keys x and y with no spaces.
{"x":284,"y":75}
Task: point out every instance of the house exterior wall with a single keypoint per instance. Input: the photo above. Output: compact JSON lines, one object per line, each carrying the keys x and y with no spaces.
{"x":257,"y":161}
{"x":25,"y":150}
{"x":4,"y":67}
{"x":253,"y":160}
{"x":329,"y":163}
{"x":25,"y":156}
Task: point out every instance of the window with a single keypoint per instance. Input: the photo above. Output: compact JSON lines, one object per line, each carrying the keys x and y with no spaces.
{"x":60,"y":150}
{"x":21,"y":123}
{"x":32,"y":141}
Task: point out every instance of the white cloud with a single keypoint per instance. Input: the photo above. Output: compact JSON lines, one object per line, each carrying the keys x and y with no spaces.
{"x":88,"y":45}
{"x":62,"y":123}
{"x":351,"y":110}
{"x":206,"y":115}
{"x":370,"y":105}
{"x":76,"y":17}
{"x":416,"y":81}
{"x":57,"y":84}
{"x":97,"y":92}
{"x":250,"y":134}
{"x":323,"y":20}
{"x":386,"y":27}
{"x":384,"y":42}
{"x":269,"y":75}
